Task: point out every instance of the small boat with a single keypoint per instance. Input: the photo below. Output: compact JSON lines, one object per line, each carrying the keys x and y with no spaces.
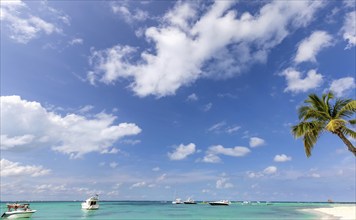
{"x":221,"y":202}
{"x":189,"y":201}
{"x":178,"y":201}
{"x":16,"y":210}
{"x":92,"y":203}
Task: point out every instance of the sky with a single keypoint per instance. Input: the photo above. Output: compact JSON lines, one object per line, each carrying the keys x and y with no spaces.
{"x":153,"y":100}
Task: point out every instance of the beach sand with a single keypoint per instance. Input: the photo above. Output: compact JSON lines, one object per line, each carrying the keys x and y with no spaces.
{"x":336,"y":212}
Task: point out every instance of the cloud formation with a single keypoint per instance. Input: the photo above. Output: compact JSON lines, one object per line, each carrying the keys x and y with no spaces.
{"x":282,"y":158}
{"x":310,"y":47}
{"x":212,"y":153}
{"x":182,"y":151}
{"x":192,"y":42}
{"x":23,"y":26}
{"x":256,"y":141}
{"x":296,"y":83}
{"x":341,"y":86}
{"x":9,"y":168}
{"x":349,"y":29}
{"x":26,"y":124}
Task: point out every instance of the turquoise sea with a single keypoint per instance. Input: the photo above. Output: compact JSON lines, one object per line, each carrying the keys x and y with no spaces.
{"x":165,"y":210}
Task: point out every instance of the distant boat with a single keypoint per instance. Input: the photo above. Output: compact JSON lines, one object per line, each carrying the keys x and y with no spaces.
{"x":92,"y":203}
{"x":189,"y":201}
{"x":221,"y":202}
{"x":177,"y":201}
{"x":14,"y":212}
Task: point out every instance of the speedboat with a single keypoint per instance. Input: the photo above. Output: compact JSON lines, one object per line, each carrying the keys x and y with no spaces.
{"x":189,"y":201}
{"x":220,"y":202}
{"x":178,"y":201}
{"x":18,"y":211}
{"x":92,"y":203}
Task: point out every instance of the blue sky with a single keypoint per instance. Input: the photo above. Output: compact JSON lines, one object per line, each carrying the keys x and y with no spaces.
{"x":145,"y":100}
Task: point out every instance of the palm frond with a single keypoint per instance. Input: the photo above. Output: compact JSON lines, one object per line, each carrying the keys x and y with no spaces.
{"x":352,"y":121}
{"x":304,"y":127}
{"x":349,"y":132}
{"x":335,"y":124}
{"x":344,"y":108}
{"x":310,"y":138}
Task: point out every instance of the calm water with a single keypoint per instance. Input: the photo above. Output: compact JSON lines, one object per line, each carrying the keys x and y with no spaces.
{"x":165,"y":210}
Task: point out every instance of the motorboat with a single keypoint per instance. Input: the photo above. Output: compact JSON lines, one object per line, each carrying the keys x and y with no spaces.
{"x":17,"y":210}
{"x":91,"y":203}
{"x":189,"y":201}
{"x":177,"y":201}
{"x":220,"y":202}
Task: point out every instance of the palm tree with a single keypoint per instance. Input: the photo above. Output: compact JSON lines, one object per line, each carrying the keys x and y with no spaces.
{"x":319,"y":115}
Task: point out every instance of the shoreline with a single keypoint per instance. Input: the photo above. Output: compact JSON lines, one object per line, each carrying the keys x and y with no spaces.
{"x":334,"y":212}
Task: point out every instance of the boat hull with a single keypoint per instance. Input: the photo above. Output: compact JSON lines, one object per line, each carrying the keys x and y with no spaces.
{"x":89,"y":207}
{"x":18,"y":214}
{"x":218,"y":204}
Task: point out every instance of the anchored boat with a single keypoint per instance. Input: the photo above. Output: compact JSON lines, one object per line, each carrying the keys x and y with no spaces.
{"x":221,"y":202}
{"x":16,"y":210}
{"x":92,"y":203}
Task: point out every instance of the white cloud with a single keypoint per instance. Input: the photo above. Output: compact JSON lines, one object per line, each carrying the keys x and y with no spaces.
{"x":26,"y":124}
{"x":211,"y":155}
{"x":9,"y":168}
{"x":182,"y":151}
{"x":23,"y":26}
{"x":256,"y":141}
{"x":267,"y":171}
{"x":208,"y":107}
{"x":342,"y":85}
{"x":222,"y":127}
{"x":310,"y":47}
{"x":223,"y":183}
{"x":211,"y":158}
{"x":192,"y":97}
{"x":122,"y":8}
{"x":139,"y":185}
{"x":349,"y":29}
{"x":282,"y":158}
{"x":192,"y":42}
{"x":270,"y":170}
{"x":296,"y":84}
{"x":76,"y":41}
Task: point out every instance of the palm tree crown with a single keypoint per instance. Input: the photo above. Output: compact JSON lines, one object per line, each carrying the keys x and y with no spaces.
{"x":320,"y":115}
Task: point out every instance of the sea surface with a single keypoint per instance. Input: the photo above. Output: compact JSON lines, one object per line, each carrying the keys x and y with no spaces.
{"x":166,"y":210}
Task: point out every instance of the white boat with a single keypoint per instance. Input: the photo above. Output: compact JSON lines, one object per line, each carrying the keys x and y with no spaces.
{"x":189,"y":201}
{"x":18,"y":211}
{"x":220,"y":202}
{"x":177,"y":201}
{"x":92,"y":203}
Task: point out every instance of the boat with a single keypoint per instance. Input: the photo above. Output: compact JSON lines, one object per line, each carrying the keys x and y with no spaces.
{"x":189,"y":201}
{"x":177,"y":201}
{"x":91,"y":203}
{"x":220,"y":202}
{"x":17,"y":210}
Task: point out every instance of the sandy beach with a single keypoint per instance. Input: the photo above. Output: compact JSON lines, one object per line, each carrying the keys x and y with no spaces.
{"x":336,"y":212}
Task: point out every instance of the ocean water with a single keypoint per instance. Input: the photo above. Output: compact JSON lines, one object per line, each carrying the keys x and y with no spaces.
{"x":166,"y":210}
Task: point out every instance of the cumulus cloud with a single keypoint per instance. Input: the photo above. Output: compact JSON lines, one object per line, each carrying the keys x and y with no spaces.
{"x":256,"y":141}
{"x":349,"y":29}
{"x":192,"y":42}
{"x":23,"y":26}
{"x":296,"y":84}
{"x":76,"y":41}
{"x":266,"y":172}
{"x":211,"y":155}
{"x":341,"y":86}
{"x":192,"y":97}
{"x":26,"y":124}
{"x":282,"y":158}
{"x":310,"y":47}
{"x":223,"y":183}
{"x":222,"y":127}
{"x":138,"y":185}
{"x":182,"y":152}
{"x":270,"y":170}
{"x":9,"y":168}
{"x":123,"y":9}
